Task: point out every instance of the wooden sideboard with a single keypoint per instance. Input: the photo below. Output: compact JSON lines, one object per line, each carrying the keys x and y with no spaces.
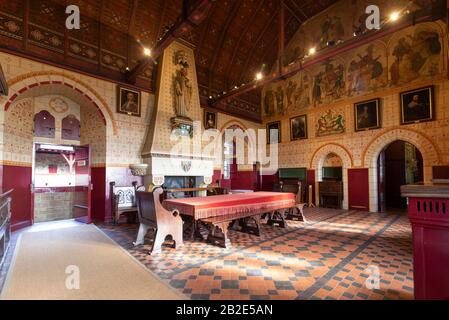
{"x":5,"y":224}
{"x":331,"y":194}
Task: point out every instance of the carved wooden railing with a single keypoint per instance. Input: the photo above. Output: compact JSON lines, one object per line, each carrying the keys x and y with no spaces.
{"x":5,"y":224}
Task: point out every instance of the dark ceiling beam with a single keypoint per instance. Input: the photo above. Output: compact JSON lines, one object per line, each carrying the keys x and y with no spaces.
{"x":132,"y":19}
{"x":194,"y":17}
{"x":229,"y":19}
{"x":100,"y":33}
{"x":297,"y":7}
{"x":242,"y":34}
{"x":293,"y":13}
{"x":270,"y":53}
{"x":281,"y":36}
{"x":26,"y":19}
{"x":3,"y":83}
{"x":431,"y":13}
{"x":161,"y":20}
{"x":267,"y":26}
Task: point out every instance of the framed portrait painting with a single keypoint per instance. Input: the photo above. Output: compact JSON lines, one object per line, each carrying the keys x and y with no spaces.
{"x":298,"y":128}
{"x":417,"y":105}
{"x":274,"y":132}
{"x":210,"y":120}
{"x":367,"y":115}
{"x":128,"y":102}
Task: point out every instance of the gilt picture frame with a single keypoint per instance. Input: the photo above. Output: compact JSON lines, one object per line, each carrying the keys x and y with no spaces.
{"x":129,"y":102}
{"x":298,"y":128}
{"x":367,"y":115}
{"x":417,"y":105}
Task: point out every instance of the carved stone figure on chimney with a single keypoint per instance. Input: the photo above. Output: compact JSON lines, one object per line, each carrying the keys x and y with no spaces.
{"x":182,"y":85}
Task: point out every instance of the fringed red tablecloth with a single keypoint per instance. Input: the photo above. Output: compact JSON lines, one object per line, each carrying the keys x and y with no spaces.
{"x":207,"y":207}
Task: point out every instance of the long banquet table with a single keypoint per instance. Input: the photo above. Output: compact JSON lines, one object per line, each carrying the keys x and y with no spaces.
{"x":224,"y":208}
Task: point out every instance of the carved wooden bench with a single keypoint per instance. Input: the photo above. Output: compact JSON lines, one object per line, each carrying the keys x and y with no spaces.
{"x":153,"y":216}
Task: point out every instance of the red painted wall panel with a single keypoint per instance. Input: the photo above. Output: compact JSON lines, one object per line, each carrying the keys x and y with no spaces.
{"x":19,"y":179}
{"x":217,"y":176}
{"x":98,"y":179}
{"x":358,"y":189}
{"x":245,"y":180}
{"x":267,"y":181}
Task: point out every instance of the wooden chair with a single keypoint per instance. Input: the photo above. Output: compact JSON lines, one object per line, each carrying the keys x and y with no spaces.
{"x":123,"y":201}
{"x":215,"y":191}
{"x":298,"y":211}
{"x":152,"y":215}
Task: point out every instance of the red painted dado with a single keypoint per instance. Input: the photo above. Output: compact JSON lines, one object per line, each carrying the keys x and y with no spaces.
{"x":98,"y":179}
{"x":19,"y":179}
{"x":358,"y":189}
{"x":245,"y":180}
{"x":267,"y":181}
{"x":311,"y":182}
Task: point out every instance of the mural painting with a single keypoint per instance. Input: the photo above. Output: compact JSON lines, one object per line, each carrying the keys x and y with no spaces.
{"x":366,"y":71}
{"x":328,"y":83}
{"x":415,"y":55}
{"x":330,"y":123}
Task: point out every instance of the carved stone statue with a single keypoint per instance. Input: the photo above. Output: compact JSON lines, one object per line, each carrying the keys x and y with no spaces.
{"x":182,"y":85}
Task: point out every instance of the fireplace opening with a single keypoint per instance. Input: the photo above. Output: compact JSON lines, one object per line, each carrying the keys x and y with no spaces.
{"x":182,"y":183}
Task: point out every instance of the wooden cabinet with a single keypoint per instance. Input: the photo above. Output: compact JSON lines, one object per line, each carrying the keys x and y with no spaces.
{"x":331,"y":194}
{"x":5,"y":224}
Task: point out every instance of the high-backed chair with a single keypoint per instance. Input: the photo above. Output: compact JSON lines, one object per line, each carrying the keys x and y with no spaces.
{"x":297,"y":211}
{"x":152,"y":215}
{"x":123,"y":201}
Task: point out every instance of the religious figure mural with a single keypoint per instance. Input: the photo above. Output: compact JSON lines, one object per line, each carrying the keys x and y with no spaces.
{"x":269,"y":103}
{"x":332,"y":30}
{"x":280,"y":105}
{"x":182,"y":85}
{"x":415,"y":55}
{"x":330,"y":123}
{"x":366,"y":71}
{"x":328,"y":83}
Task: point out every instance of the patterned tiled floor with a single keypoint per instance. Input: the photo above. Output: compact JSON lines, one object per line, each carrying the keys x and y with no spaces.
{"x":335,"y":255}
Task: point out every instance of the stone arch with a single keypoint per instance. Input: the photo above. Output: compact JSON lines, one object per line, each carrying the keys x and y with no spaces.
{"x":231,"y":123}
{"x":29,"y":84}
{"x":371,"y":153}
{"x":317,"y":161}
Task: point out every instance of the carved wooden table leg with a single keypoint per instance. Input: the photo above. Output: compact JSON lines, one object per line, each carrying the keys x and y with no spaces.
{"x":224,"y":228}
{"x":277,"y":218}
{"x":223,"y":240}
{"x":252,"y":229}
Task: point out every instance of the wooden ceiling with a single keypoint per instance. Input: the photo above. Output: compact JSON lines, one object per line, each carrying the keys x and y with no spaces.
{"x":236,"y":39}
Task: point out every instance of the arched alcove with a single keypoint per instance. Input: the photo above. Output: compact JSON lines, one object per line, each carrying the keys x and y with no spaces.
{"x":318,"y":160}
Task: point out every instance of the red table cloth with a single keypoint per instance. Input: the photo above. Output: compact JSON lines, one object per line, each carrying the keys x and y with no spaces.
{"x":207,"y":207}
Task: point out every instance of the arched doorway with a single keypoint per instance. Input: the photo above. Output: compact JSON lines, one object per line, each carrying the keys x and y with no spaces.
{"x":399,"y":163}
{"x":370,"y":157}
{"x":239,"y":168}
{"x":71,"y":109}
{"x":332,"y":161}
